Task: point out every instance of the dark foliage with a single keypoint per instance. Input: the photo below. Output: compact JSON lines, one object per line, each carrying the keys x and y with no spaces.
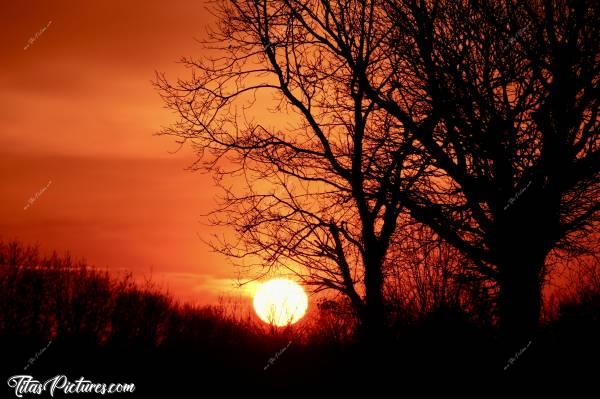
{"x":58,"y":316}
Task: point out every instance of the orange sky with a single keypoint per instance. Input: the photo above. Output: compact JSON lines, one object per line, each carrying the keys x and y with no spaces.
{"x":77,"y":109}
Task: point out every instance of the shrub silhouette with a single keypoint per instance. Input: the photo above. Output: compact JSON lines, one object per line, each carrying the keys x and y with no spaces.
{"x":110,"y":329}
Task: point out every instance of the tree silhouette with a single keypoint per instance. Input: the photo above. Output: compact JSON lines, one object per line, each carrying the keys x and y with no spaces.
{"x":319,"y":196}
{"x":504,"y":99}
{"x":480,"y":117}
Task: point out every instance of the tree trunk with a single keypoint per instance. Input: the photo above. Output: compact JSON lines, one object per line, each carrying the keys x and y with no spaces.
{"x":520,"y":280}
{"x":373,"y":315}
{"x":527,"y":232}
{"x":519,"y":303}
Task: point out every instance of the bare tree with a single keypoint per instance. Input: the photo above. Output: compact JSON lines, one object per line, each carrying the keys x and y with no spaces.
{"x":481,"y":117}
{"x":318,"y":194}
{"x":426,"y":274}
{"x":503,"y":96}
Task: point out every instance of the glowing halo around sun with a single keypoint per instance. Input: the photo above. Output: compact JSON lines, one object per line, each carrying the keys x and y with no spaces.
{"x":280,"y":302}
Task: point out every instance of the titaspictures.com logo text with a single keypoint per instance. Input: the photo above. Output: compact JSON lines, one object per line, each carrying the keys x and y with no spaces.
{"x":26,"y":384}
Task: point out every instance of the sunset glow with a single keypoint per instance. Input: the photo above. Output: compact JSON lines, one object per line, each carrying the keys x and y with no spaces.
{"x":178,"y":178}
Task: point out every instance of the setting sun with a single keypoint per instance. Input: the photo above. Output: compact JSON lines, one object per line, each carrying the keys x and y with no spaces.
{"x":280,"y":302}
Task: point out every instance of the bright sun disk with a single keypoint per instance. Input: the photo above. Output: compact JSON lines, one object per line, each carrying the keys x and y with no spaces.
{"x":280,"y":302}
